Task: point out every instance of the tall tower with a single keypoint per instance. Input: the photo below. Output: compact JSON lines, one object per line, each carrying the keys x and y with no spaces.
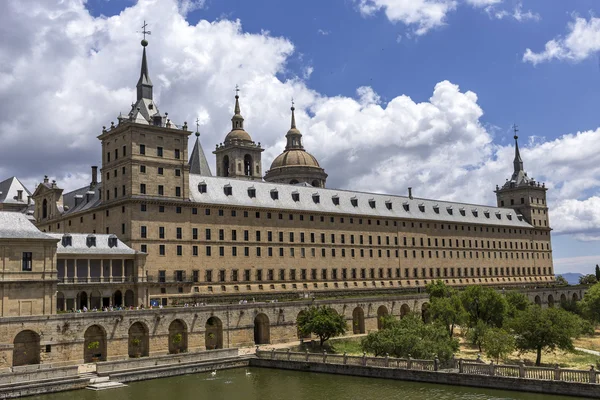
{"x":524,"y":194}
{"x":239,"y":156}
{"x":296,"y":165}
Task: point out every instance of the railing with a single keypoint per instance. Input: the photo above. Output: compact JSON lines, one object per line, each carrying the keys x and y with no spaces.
{"x":476,"y":367}
{"x":97,"y":279}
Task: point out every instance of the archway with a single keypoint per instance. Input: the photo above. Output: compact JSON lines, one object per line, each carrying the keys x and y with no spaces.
{"x":139,"y":342}
{"x":226,"y":166}
{"x":358,"y":321}
{"x":118,"y":299}
{"x":563,"y":298}
{"x":575,"y":297}
{"x":60,"y":301}
{"x":83,"y":300}
{"x":404,"y":310}
{"x":248,"y":165}
{"x":96,"y":300}
{"x":298,"y":333}
{"x":214,"y":334}
{"x":26,"y":350}
{"x":538,"y":301}
{"x":262,"y":331}
{"x":425,"y":312}
{"x":129,"y":298}
{"x":550,"y":301}
{"x":178,"y":337}
{"x":94,"y":344}
{"x":382,"y":313}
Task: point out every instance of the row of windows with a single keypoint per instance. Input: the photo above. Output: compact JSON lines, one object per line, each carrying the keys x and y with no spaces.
{"x":304,"y":274}
{"x":159,"y":152}
{"x":160,"y":190}
{"x":332,"y":239}
{"x":537,"y":201}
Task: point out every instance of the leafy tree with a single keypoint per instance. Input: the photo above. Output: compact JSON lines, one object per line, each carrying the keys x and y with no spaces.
{"x":448,"y":310}
{"x":538,"y":329}
{"x":498,"y":343}
{"x":516,"y":301}
{"x":438,"y":289}
{"x":411,"y":336}
{"x":485,"y":304}
{"x":597,"y":273}
{"x":589,"y":279}
{"x":476,"y":334}
{"x":590,"y":304}
{"x":323,"y":321}
{"x":560,"y":281}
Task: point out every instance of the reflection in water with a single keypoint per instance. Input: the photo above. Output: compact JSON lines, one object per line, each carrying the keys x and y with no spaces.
{"x":271,"y":384}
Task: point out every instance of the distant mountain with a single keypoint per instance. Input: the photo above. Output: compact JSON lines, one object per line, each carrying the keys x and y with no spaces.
{"x":571,"y":277}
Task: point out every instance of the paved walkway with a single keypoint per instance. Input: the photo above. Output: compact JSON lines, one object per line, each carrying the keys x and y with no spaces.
{"x":594,"y":352}
{"x":252,"y":350}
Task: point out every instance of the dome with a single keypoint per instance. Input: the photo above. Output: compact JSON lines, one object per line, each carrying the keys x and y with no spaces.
{"x":295,"y":158}
{"x":238,"y":134}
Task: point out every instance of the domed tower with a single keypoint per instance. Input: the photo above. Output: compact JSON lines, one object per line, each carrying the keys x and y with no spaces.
{"x":238,"y":156}
{"x":296,"y":165}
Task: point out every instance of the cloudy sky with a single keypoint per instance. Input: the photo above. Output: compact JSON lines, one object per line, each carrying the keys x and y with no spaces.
{"x":389,"y":93}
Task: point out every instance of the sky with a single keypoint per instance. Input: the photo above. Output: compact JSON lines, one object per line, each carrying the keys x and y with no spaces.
{"x":389,"y":94}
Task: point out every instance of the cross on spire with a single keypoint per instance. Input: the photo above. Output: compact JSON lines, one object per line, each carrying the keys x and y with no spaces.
{"x":197,"y":127}
{"x":237,"y":90}
{"x":144,"y":31}
{"x":515,"y":130}
{"x":292,"y":101}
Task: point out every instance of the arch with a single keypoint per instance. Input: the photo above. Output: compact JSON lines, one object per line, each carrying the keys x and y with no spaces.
{"x":129,"y":298}
{"x":404,"y":310}
{"x":178,"y":337}
{"x":96,"y":300}
{"x":538,"y":301}
{"x":118,"y":298}
{"x":358,"y":321}
{"x":293,"y":181}
{"x":425,"y":312}
{"x":382,"y":312}
{"x":60,"y":301}
{"x":45,"y":209}
{"x":213,"y":338}
{"x":575,"y":297}
{"x":82,"y":300}
{"x":563,"y":298}
{"x":248,"y":165}
{"x":139,"y":342}
{"x":262,"y":329}
{"x":226,"y":166}
{"x":26,"y":350}
{"x":550,"y":301}
{"x":298,"y":333}
{"x":94,"y":344}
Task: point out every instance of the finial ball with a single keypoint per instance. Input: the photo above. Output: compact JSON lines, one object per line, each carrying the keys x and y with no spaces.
{"x":197,"y":134}
{"x":144,"y":42}
{"x":516,"y":137}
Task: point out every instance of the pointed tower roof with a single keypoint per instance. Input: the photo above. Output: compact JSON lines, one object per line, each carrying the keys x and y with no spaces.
{"x":198,"y":162}
{"x":294,"y":137}
{"x":518,"y":162}
{"x":519,"y":176}
{"x":144,"y":85}
{"x":237,"y":124}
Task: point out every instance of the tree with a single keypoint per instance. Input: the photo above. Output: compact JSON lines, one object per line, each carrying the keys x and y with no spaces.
{"x":410,"y":336}
{"x":485,"y":304}
{"x":597,"y":273}
{"x":323,"y":321}
{"x":589,"y":279}
{"x":476,"y":333}
{"x":538,"y":329}
{"x":590,"y":304}
{"x":516,"y":301}
{"x":438,"y":289}
{"x":449,"y":311}
{"x":561,"y":281}
{"x":498,"y":343}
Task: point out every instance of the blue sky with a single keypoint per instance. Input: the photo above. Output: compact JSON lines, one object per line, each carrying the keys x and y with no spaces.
{"x":390,"y":93}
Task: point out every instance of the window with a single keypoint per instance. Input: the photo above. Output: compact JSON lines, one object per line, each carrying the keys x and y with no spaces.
{"x":177,"y":191}
{"x":177,"y":172}
{"x":161,"y":249}
{"x":179,"y":233}
{"x":195,"y":233}
{"x":161,"y":190}
{"x":27,"y":261}
{"x":161,"y":232}
{"x":143,"y":150}
{"x":162,"y":274}
{"x":177,"y":154}
{"x":143,"y":232}
{"x":142,"y":188}
{"x":160,"y":171}
{"x":142,"y":169}
{"x":159,"y":151}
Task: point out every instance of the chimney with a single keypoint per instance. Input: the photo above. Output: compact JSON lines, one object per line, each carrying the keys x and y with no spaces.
{"x":410,"y":193}
{"x":19,"y":195}
{"x":45,"y":178}
{"x":94,"y":176}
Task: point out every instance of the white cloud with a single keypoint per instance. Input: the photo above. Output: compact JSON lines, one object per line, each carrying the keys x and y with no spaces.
{"x":576,"y":264}
{"x":187,"y":6}
{"x":581,"y":41}
{"x":308,"y":72}
{"x":517,"y":14}
{"x":323,"y":33}
{"x":64,"y":74}
{"x":483,"y":3}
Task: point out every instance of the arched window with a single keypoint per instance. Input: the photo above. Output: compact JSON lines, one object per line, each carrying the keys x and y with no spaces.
{"x":247,"y":165}
{"x":226,"y":166}
{"x":45,"y":209}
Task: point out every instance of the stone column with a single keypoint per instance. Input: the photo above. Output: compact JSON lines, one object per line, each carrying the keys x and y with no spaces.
{"x":123,"y":271}
{"x":110,"y":272}
{"x":101,"y":270}
{"x":89,"y":270}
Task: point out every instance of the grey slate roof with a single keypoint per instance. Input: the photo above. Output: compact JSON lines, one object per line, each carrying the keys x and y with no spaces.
{"x":198,"y":162}
{"x":85,"y":198}
{"x":8,"y":191}
{"x":79,"y":245}
{"x":367,"y":204}
{"x":14,"y":225}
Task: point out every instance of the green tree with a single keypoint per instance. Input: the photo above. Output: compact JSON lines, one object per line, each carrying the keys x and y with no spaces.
{"x":323,"y":321}
{"x":476,"y":333}
{"x":597,"y":273}
{"x":516,"y":301}
{"x":411,"y":336}
{"x":438,"y":289}
{"x":561,"y":281}
{"x":589,"y":279}
{"x":590,"y":304}
{"x":538,"y":329}
{"x":485,"y":304}
{"x":498,"y":343}
{"x":448,"y":310}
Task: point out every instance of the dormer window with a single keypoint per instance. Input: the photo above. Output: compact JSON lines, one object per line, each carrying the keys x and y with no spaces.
{"x":436,"y":208}
{"x":498,"y":215}
{"x":462,"y":211}
{"x":336,"y":200}
{"x":274,"y":194}
{"x":372,"y":203}
{"x":388,"y":205}
{"x":316,"y":198}
{"x":406,"y":206}
{"x":449,"y":209}
{"x":202,"y":187}
{"x":67,"y":240}
{"x":486,"y":213}
{"x":296,"y":196}
{"x":520,"y":217}
{"x":509,"y":216}
{"x":422,"y":207}
{"x":251,"y":192}
{"x":112,"y":241}
{"x":475,"y":212}
{"x":354,"y":202}
{"x":228,"y":190}
{"x":90,"y":241}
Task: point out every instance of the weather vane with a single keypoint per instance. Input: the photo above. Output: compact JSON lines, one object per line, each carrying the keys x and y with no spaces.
{"x":292,"y":101}
{"x":237,"y":89}
{"x":144,"y":31}
{"x":515,"y":130}
{"x":197,"y":124}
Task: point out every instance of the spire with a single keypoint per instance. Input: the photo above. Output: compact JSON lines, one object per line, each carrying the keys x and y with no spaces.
{"x":144,"y":85}
{"x":518,"y":162}
{"x":198,"y":162}
{"x":293,"y":116}
{"x":237,"y":121}
{"x":294,"y":137}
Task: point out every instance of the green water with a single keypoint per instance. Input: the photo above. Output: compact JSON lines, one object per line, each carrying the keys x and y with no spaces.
{"x":270,"y":384}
